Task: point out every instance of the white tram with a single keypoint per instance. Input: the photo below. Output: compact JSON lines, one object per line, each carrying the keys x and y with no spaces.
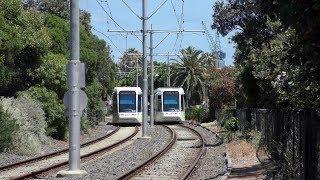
{"x":127,"y":105}
{"x":169,"y":105}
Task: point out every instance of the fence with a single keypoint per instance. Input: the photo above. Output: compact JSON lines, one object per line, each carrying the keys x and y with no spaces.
{"x":292,"y":138}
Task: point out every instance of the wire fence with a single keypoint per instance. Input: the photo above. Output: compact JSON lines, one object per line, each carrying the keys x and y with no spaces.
{"x":290,"y":136}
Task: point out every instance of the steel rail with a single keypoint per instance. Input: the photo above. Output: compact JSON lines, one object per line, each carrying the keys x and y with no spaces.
{"x":199,"y":155}
{"x":220,"y":141}
{"x":140,"y":167}
{"x":56,"y":153}
{"x":40,"y":171}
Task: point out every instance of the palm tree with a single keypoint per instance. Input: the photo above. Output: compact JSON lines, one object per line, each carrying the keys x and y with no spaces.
{"x":189,"y":74}
{"x":129,"y":60}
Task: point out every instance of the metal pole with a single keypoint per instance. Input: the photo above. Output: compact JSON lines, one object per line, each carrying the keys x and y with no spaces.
{"x":74,"y":118}
{"x":75,"y":100}
{"x":137,"y":73}
{"x":151,"y":80}
{"x":168,"y":70}
{"x":145,"y":71}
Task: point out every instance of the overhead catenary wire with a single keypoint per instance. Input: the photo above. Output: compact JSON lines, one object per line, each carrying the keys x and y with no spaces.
{"x":107,"y":2}
{"x":175,"y":43}
{"x":179,"y":23}
{"x":114,"y":19}
{"x":177,"y":5}
{"x":175,"y":13}
{"x":109,"y":40}
{"x":109,"y":15}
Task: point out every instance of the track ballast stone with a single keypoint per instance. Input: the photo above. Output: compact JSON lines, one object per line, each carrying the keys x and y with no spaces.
{"x":213,"y":163}
{"x":125,"y":159}
{"x":210,"y":138}
{"x":177,"y":160}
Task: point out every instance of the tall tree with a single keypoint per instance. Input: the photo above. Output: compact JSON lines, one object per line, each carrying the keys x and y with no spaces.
{"x":189,"y":75}
{"x":129,"y":60}
{"x":280,"y":41}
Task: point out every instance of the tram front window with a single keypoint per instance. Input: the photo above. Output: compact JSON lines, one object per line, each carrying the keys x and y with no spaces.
{"x":170,"y":101}
{"x":127,"y":101}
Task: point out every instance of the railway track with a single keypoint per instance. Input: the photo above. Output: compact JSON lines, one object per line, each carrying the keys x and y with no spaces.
{"x":39,"y":165}
{"x":140,"y":171}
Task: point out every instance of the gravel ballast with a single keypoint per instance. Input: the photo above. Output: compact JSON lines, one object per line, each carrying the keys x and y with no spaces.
{"x":210,"y":138}
{"x":56,"y":145}
{"x":212,"y":165}
{"x":125,"y":159}
{"x":177,"y":160}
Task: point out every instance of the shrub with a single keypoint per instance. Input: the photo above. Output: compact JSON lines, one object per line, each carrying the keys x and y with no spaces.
{"x":54,"y":111}
{"x":30,"y":119}
{"x":85,"y":124}
{"x":198,"y":114}
{"x":231,"y":124}
{"x":226,"y":113}
{"x":7,"y":128}
{"x":95,"y":110}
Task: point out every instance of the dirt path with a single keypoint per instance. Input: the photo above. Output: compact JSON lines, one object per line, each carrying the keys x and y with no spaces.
{"x":242,"y":160}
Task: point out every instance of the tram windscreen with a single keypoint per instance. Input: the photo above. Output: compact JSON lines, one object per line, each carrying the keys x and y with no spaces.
{"x":127,"y":101}
{"x":170,"y":101}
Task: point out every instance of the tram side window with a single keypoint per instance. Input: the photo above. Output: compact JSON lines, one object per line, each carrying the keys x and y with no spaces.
{"x":159,"y":103}
{"x":139,"y":103}
{"x":182,"y":103}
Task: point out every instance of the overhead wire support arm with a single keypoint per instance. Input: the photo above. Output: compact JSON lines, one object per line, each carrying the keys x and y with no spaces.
{"x":136,"y":14}
{"x":155,"y":11}
{"x":161,"y":40}
{"x":125,"y":31}
{"x":176,"y":31}
{"x":157,"y":31}
{"x":132,"y":32}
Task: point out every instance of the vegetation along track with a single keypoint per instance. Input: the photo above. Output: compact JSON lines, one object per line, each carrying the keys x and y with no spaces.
{"x":36,"y":166}
{"x":134,"y":173}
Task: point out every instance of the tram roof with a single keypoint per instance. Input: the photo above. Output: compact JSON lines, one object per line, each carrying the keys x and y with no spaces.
{"x":136,"y":89}
{"x":161,"y":90}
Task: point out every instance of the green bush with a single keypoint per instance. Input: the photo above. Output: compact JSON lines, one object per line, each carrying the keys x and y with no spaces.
{"x":198,"y":114}
{"x":30,"y":119}
{"x":54,"y":111}
{"x":85,"y":124}
{"x":95,"y":112}
{"x":7,"y":128}
{"x":231,"y":124}
{"x":226,"y":113}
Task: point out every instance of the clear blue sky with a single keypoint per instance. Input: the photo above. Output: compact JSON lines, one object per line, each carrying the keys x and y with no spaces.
{"x":194,"y":13}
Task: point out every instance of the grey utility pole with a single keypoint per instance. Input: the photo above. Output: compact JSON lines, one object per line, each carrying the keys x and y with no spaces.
{"x":75,"y":100}
{"x":137,"y":73}
{"x":168,"y":71}
{"x":151,"y":80}
{"x":145,"y":70}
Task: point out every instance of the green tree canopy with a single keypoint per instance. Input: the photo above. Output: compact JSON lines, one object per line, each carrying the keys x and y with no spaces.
{"x":189,"y":74}
{"x":280,"y":41}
